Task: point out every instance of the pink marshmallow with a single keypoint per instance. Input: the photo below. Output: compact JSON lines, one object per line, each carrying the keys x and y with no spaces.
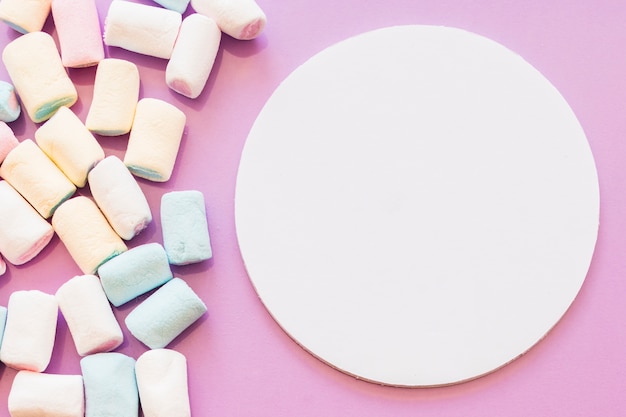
{"x":36,"y":394}
{"x":8,"y":141}
{"x":3,"y":267}
{"x":78,"y":28}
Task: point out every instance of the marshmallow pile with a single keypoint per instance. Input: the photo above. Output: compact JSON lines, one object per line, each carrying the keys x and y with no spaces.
{"x":40,"y":184}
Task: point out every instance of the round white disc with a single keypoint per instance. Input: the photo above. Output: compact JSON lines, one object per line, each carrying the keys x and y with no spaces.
{"x":417,"y":206}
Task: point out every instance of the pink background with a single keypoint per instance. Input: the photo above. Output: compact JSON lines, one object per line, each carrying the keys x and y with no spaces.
{"x":240,"y":361}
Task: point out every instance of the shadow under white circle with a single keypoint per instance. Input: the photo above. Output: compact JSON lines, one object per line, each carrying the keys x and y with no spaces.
{"x":417,"y":206}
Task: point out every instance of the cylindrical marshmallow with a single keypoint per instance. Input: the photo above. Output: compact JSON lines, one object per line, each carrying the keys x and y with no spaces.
{"x":8,"y":141}
{"x":88,"y":314}
{"x":30,"y":330}
{"x":115,"y":95}
{"x":110,"y":385}
{"x":23,"y":232}
{"x":241,"y":19}
{"x":165,"y":314}
{"x":134,"y":272}
{"x":184,"y":227}
{"x":154,"y":139}
{"x":193,"y":56}
{"x":25,"y":16}
{"x":179,"y":6}
{"x":3,"y":317}
{"x":29,"y":170}
{"x":70,"y":145}
{"x":162,"y":383}
{"x":3,"y":269}
{"x":147,"y":30}
{"x":36,"y":394}
{"x":10,"y":108}
{"x":120,"y":197}
{"x":78,"y":29}
{"x":86,"y":234}
{"x":35,"y":67}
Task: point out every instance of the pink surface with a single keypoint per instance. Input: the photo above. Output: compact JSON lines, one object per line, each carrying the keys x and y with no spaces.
{"x":240,"y":361}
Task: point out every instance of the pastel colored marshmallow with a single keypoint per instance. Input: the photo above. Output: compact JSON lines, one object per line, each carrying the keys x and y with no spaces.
{"x":115,"y":96}
{"x":193,"y":56}
{"x":165,"y":314}
{"x":78,"y":29}
{"x":110,"y":385}
{"x":3,"y":317}
{"x":70,"y":145}
{"x":23,"y":232}
{"x":30,"y":330}
{"x":10,"y":108}
{"x":25,"y":16}
{"x":36,"y":394}
{"x":120,"y":198}
{"x":3,"y":268}
{"x":88,"y":314}
{"x":86,"y":234}
{"x":184,"y":227}
{"x":29,"y":170}
{"x":36,"y":70}
{"x":134,"y":272}
{"x":241,"y":19}
{"x":162,"y":383}
{"x":177,"y":5}
{"x":154,"y":139}
{"x":147,"y":30}
{"x":8,"y":141}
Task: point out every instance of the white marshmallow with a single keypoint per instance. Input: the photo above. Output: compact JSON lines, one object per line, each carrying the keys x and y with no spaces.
{"x":86,"y":234}
{"x":70,"y":145}
{"x":29,"y":170}
{"x":120,"y":197}
{"x":89,"y":316}
{"x":154,"y":139}
{"x":193,"y":56}
{"x":162,"y":383}
{"x":148,"y":30}
{"x":10,"y":108}
{"x":78,"y":30}
{"x":241,"y":19}
{"x":3,"y":269}
{"x":25,"y":16}
{"x":36,"y":394}
{"x":23,"y":232}
{"x":115,"y":95}
{"x":30,"y":330}
{"x":41,"y":81}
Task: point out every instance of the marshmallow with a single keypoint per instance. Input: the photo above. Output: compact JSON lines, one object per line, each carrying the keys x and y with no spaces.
{"x":86,"y":234}
{"x":120,"y":198}
{"x":25,"y":16}
{"x":165,"y":314}
{"x":88,"y":314}
{"x":115,"y":95}
{"x":51,"y":395}
{"x":3,"y":268}
{"x":70,"y":145}
{"x":184,"y":226}
{"x":30,"y":330}
{"x":154,"y":139}
{"x":193,"y":56}
{"x":35,"y":67}
{"x":78,"y":29}
{"x":177,"y":5}
{"x":36,"y":177}
{"x":140,"y":28}
{"x":134,"y":272}
{"x":10,"y":108}
{"x":162,"y":383}
{"x":241,"y":19}
{"x":110,"y":385}
{"x":23,"y":232}
{"x":3,"y":317}
{"x":8,"y":141}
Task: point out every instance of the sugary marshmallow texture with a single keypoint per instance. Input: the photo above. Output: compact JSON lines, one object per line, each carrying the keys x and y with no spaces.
{"x":23,"y":232}
{"x":8,"y":141}
{"x":10,"y":108}
{"x":36,"y":70}
{"x":30,"y":330}
{"x":25,"y":16}
{"x":241,"y":19}
{"x":78,"y":29}
{"x":35,"y":394}
{"x":177,"y":5}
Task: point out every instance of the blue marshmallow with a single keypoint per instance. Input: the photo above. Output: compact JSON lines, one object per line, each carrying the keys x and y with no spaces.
{"x":110,"y":385}
{"x":134,"y":272}
{"x":9,"y":105}
{"x":177,"y":5}
{"x":164,"y":315}
{"x":3,"y":321}
{"x":184,"y":226}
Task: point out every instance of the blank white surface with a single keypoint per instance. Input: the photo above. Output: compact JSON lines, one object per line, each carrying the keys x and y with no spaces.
{"x":417,"y":206}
